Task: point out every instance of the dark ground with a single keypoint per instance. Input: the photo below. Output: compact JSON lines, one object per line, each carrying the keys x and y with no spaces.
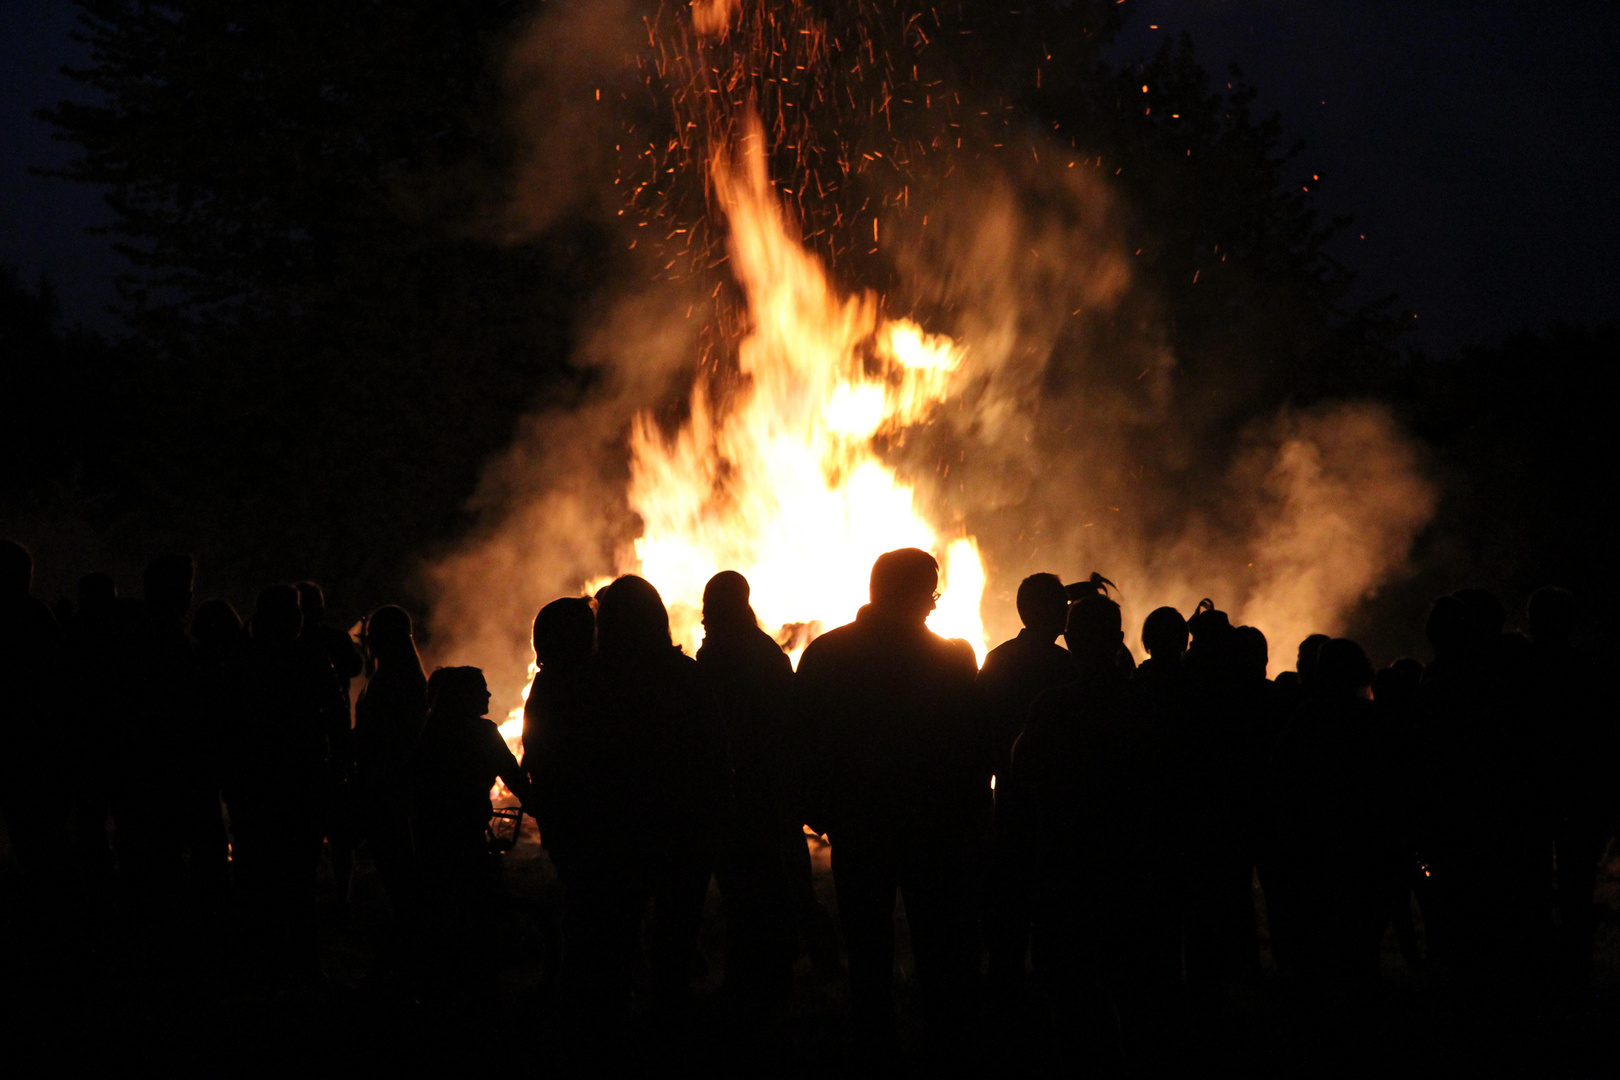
{"x":71,"y":999}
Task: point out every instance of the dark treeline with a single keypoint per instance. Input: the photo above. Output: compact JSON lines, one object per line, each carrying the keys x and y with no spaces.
{"x":1131,"y":869}
{"x":322,"y":323}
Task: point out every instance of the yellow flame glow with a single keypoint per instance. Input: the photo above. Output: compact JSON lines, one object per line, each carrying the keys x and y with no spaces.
{"x":783,"y":484}
{"x":781,"y":479}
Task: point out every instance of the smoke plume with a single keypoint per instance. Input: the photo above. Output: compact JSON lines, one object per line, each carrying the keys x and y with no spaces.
{"x":1069,"y":444}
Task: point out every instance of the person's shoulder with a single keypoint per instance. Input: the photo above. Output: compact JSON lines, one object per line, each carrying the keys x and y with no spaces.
{"x":1052,"y":652}
{"x":956,"y":652}
{"x":677,"y":666}
{"x":1002,"y":654}
{"x":847,"y":632}
{"x":830,"y":643}
{"x":765,"y":646}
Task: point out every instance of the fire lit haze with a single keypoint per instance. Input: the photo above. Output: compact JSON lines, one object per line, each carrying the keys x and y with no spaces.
{"x":865,"y":311}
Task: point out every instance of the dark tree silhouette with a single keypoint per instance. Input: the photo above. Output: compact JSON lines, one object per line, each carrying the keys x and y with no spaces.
{"x":308,"y":196}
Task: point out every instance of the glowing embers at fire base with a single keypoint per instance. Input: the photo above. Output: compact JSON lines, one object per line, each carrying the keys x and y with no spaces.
{"x":782,"y":481}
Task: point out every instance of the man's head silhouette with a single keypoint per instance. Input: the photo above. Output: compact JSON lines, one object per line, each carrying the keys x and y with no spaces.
{"x":1305,"y":656}
{"x":1251,"y":651}
{"x":1095,"y":631}
{"x":1164,"y":634}
{"x":564,"y":631}
{"x":1043,"y":605}
{"x":631,"y":618}
{"x":276,"y":616}
{"x":904,"y":585}
{"x":1210,"y":627}
{"x":725,"y":603}
{"x":389,"y":633}
{"x":457,"y":693}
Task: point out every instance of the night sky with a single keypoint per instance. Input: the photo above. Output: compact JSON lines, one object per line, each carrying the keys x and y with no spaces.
{"x":1477,"y":143}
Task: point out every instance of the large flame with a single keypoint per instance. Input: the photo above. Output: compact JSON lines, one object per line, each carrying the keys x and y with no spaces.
{"x":785,"y":486}
{"x":781,"y":479}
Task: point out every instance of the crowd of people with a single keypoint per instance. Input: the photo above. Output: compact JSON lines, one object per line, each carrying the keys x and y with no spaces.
{"x":1083,"y":846}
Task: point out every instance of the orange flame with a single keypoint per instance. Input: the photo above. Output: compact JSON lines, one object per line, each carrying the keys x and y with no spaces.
{"x":782,"y":479}
{"x":713,"y":17}
{"x":785,"y":486}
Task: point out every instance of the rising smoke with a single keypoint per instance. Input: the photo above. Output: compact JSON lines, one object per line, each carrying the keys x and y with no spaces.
{"x":1075,"y":448}
{"x":1070,"y":443}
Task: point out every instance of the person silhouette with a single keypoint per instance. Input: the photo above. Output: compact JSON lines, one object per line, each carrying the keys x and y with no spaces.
{"x":1396,"y":687}
{"x":216,"y":635}
{"x":335,"y":643}
{"x":338,"y":813}
{"x":286,"y":708}
{"x":635,"y":760}
{"x":564,"y":638}
{"x":454,"y":764}
{"x":1578,"y":741}
{"x":1220,"y":937}
{"x":1262,"y":709}
{"x":1165,"y":636}
{"x":1161,"y":695}
{"x":90,"y":664}
{"x":1395,"y":692}
{"x":1159,"y":684}
{"x":1334,"y":835}
{"x":153,"y":796}
{"x":1093,"y":771}
{"x":33,"y":756}
{"x":1015,"y":673}
{"x":1305,"y":658}
{"x":895,"y":752}
{"x":1097,"y":585}
{"x":1485,"y":849}
{"x":750,"y":680}
{"x":1018,"y":671}
{"x":388,"y":719}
